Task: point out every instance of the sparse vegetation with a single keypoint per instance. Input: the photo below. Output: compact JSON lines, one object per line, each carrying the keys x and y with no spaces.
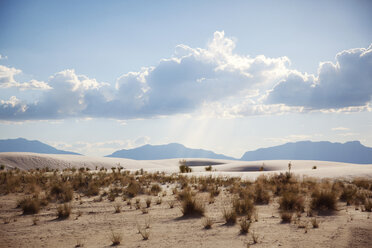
{"x":286,"y":216}
{"x":63,"y":211}
{"x":116,"y":238}
{"x":245,"y":224}
{"x":324,"y":200}
{"x":207,"y":223}
{"x":183,"y":167}
{"x":230,"y":216}
{"x":190,"y":206}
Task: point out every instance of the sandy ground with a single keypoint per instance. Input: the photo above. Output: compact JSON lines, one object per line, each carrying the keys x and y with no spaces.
{"x":348,"y":227}
{"x":247,"y":170}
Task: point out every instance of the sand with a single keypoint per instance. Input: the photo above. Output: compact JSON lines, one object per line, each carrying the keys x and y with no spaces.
{"x":348,"y":227}
{"x":244,"y":169}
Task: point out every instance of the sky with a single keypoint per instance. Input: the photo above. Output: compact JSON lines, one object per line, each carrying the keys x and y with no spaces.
{"x":228,"y":76}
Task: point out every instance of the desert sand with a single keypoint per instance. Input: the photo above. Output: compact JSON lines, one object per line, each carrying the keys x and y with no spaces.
{"x":92,"y":222}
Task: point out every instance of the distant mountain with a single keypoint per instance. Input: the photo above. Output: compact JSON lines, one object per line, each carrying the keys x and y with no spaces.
{"x":173,"y":150}
{"x":23,"y":145}
{"x":349,"y":152}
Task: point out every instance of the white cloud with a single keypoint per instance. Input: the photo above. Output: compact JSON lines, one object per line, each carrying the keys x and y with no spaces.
{"x":340,"y":129}
{"x":7,"y":80}
{"x":211,"y":81}
{"x":100,"y":148}
{"x":341,"y":85}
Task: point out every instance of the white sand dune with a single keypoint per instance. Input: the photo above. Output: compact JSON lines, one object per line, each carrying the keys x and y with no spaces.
{"x":221,"y":167}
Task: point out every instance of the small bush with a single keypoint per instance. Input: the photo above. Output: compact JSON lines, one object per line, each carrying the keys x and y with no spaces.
{"x":290,"y":201}
{"x":63,"y":211}
{"x":243,"y":207}
{"x":261,"y":196}
{"x":171,"y":204}
{"x":324,"y":200}
{"x":245,"y":224}
{"x":286,"y":216}
{"x":155,"y":189}
{"x":116,"y":238}
{"x":315,"y":223}
{"x":190,"y":206}
{"x":348,"y":194}
{"x":30,"y":205}
{"x":208,"y":168}
{"x":183,"y":167}
{"x":207,"y":223}
{"x":117,"y":207}
{"x":133,"y":189}
{"x":229,"y":216}
{"x":148,"y":202}
{"x":368,"y":205}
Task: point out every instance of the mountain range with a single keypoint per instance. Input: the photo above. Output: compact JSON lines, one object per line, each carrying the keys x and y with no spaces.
{"x":24,"y":145}
{"x":172,"y":150}
{"x":349,"y":152}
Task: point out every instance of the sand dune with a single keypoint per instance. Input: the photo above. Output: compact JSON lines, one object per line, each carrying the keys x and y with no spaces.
{"x":220,"y":167}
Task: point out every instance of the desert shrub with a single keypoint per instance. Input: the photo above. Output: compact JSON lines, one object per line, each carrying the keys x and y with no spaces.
{"x":363,"y":183}
{"x":116,"y":238}
{"x":207,"y":223}
{"x":286,"y":216}
{"x":133,"y":189}
{"x":148,"y":202}
{"x":62,"y":192}
{"x":117,"y":207}
{"x":159,"y":201}
{"x":2,"y":167}
{"x":348,"y":194}
{"x":30,"y":205}
{"x":208,"y":168}
{"x":190,"y":206}
{"x":171,"y":204}
{"x":261,"y":196}
{"x":291,"y":202}
{"x":315,"y":223}
{"x":183,"y":167}
{"x":245,"y":224}
{"x":63,"y":211}
{"x":323,"y":200}
{"x":155,"y":189}
{"x":243,"y":207}
{"x":230,"y":216}
{"x":368,"y":205}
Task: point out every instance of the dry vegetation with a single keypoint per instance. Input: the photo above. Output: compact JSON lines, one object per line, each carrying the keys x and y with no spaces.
{"x":233,"y":199}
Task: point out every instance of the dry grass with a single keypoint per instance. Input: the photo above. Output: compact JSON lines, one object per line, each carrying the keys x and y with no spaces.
{"x":324,"y":200}
{"x":116,"y":238}
{"x":229,"y":216}
{"x":63,"y":211}
{"x":190,"y":206}
{"x":286,"y":216}
{"x":207,"y":223}
{"x":245,"y":224}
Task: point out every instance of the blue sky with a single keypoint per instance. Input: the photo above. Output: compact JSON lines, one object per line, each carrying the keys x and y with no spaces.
{"x":229,"y":76}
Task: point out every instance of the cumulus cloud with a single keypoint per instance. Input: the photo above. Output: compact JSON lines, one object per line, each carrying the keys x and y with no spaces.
{"x":346,"y":83}
{"x":209,"y":81}
{"x":7,"y":80}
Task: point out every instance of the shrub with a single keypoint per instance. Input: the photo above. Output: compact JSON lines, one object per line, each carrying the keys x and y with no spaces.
{"x":286,"y":216}
{"x":229,"y":216}
{"x":243,"y":207}
{"x":315,"y":223}
{"x":63,"y":211}
{"x":117,"y":207}
{"x":261,"y":196}
{"x":368,"y":205}
{"x":183,"y":167}
{"x":133,"y":189}
{"x":116,"y":238}
{"x":148,"y":202}
{"x":291,"y":202}
{"x":62,"y":192}
{"x":208,"y":168}
{"x":207,"y":223}
{"x":155,"y":189}
{"x":190,"y":206}
{"x":324,"y":200}
{"x":92,"y":189}
{"x":348,"y":194}
{"x":245,"y":224}
{"x":30,"y":205}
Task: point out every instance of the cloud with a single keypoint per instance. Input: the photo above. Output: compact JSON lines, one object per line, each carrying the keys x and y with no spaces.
{"x":3,"y":57}
{"x":346,"y":83}
{"x":100,"y":148}
{"x":211,"y":81}
{"x":340,"y":129}
{"x":7,"y":80}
